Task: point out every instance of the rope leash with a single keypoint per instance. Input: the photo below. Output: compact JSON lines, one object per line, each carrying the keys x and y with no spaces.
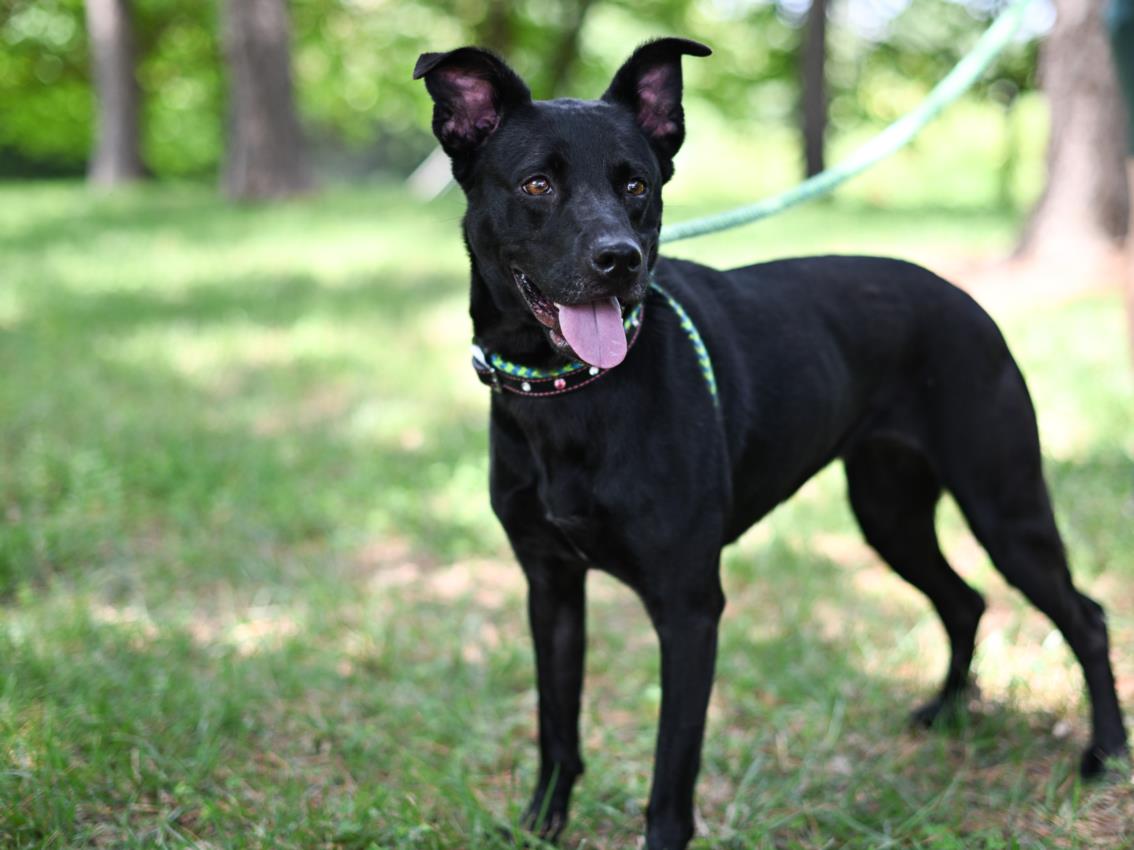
{"x":896,"y":136}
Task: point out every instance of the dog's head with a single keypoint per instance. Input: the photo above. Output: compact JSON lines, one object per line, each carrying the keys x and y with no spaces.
{"x":564,"y":196}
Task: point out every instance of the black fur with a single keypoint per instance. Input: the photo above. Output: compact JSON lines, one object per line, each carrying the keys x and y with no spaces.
{"x":874,"y":361}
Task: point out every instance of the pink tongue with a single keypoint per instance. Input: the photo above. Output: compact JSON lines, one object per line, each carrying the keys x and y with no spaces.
{"x":594,"y":331}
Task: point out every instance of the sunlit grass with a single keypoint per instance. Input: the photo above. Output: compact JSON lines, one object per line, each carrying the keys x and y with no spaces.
{"x":253,"y":594}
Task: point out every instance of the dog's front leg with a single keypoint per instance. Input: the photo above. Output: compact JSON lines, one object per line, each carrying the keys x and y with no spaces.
{"x":686,"y":620}
{"x":557,"y":611}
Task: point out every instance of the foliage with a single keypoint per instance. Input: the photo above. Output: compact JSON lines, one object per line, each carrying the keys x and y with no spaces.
{"x":181,"y":75}
{"x":920,"y":46}
{"x":44,"y":85}
{"x":352,"y":62}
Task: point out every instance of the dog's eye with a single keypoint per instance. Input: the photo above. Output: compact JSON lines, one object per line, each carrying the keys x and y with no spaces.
{"x":637,"y":188}
{"x":537,"y":186}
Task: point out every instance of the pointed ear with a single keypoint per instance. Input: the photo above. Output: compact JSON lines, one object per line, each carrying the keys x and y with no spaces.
{"x":472,"y":91}
{"x":649,"y":85}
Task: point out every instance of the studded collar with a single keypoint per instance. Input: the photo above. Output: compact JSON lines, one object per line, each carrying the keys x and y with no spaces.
{"x":504,"y":376}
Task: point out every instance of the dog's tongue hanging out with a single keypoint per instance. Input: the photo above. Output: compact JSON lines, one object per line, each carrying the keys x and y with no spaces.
{"x":594,"y":331}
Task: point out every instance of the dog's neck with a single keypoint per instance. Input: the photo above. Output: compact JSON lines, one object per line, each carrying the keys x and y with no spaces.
{"x":513,"y":334}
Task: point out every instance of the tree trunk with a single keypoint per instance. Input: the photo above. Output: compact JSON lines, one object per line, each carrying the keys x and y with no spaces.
{"x":1130,"y":266}
{"x":814,"y":60}
{"x":1121,"y":22}
{"x":497,"y":30}
{"x":266,"y":155}
{"x":1081,"y":217}
{"x":117,"y":151}
{"x":566,"y":52}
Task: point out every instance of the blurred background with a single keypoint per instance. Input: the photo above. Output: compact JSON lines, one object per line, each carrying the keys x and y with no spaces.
{"x":251,"y":590}
{"x":272,"y":99}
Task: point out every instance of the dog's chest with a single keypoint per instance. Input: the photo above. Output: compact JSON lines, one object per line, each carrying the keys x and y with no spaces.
{"x":571,"y":501}
{"x":582,"y":493}
{"x":619,"y":476}
{"x":592,"y":535}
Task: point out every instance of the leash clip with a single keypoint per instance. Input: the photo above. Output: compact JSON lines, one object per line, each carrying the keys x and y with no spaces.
{"x":482,"y":365}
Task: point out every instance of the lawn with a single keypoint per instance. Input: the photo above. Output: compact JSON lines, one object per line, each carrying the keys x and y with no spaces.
{"x":252,"y":593}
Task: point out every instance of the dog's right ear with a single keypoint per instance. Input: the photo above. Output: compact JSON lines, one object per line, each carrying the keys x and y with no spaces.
{"x":472,"y":91}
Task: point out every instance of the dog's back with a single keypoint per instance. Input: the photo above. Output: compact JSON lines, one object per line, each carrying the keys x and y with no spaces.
{"x":851,"y":346}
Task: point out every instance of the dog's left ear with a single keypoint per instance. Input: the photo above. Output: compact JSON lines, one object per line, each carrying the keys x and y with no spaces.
{"x":649,"y":85}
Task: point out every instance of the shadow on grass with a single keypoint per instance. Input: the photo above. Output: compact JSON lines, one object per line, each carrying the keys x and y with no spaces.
{"x":62,"y":214}
{"x":273,"y":300}
{"x":140,"y":494}
{"x":68,"y":213}
{"x":122,"y":458}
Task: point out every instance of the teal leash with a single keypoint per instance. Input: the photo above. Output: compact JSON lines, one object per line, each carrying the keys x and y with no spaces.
{"x":704,"y":361}
{"x":889,"y":141}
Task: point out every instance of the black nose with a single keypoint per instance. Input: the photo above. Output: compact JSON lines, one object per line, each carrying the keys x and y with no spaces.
{"x":616,"y":258}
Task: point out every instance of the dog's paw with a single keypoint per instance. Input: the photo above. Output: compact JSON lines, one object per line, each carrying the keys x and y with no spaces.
{"x":543,"y":825}
{"x":945,"y":710}
{"x":522,"y":837}
{"x":1099,"y":762}
{"x":924,"y":716}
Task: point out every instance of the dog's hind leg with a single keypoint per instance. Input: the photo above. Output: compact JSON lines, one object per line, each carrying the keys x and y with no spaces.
{"x":1021,"y":538}
{"x":1019,"y":533}
{"x":995,"y":473}
{"x":894,"y":494}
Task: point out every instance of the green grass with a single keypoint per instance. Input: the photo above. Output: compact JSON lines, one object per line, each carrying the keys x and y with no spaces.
{"x":252,"y":594}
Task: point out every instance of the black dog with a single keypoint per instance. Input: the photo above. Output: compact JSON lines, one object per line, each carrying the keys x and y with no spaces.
{"x":731,"y":390}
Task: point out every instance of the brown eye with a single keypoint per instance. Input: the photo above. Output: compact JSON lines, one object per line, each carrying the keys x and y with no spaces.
{"x":637,"y":188}
{"x":537,"y":186}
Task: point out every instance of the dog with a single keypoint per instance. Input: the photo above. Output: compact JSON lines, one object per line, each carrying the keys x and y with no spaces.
{"x":647,"y":411}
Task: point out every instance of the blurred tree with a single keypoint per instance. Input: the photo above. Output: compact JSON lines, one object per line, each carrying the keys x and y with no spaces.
{"x":183,"y":86}
{"x":47,"y":120}
{"x":565,"y":53}
{"x":546,"y":32}
{"x":266,"y":156}
{"x":1120,"y":21}
{"x":45,"y":101}
{"x":497,"y":29}
{"x":1081,"y":216}
{"x":117,"y":153}
{"x":814,"y":82}
{"x":362,"y":112}
{"x":899,"y":59}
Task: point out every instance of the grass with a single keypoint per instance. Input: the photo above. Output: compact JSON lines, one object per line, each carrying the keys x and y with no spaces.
{"x":253,"y":595}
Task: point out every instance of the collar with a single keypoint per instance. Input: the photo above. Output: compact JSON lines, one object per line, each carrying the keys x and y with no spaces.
{"x":500,"y":374}
{"x":503,"y":375}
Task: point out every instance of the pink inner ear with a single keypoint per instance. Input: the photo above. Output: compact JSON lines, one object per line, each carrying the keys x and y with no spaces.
{"x":655,"y":102}
{"x":474,"y":113}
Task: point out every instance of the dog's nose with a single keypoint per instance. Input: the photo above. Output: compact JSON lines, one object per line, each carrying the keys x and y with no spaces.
{"x":616,"y":258}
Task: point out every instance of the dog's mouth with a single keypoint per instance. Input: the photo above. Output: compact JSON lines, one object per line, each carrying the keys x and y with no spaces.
{"x":591,"y":331}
